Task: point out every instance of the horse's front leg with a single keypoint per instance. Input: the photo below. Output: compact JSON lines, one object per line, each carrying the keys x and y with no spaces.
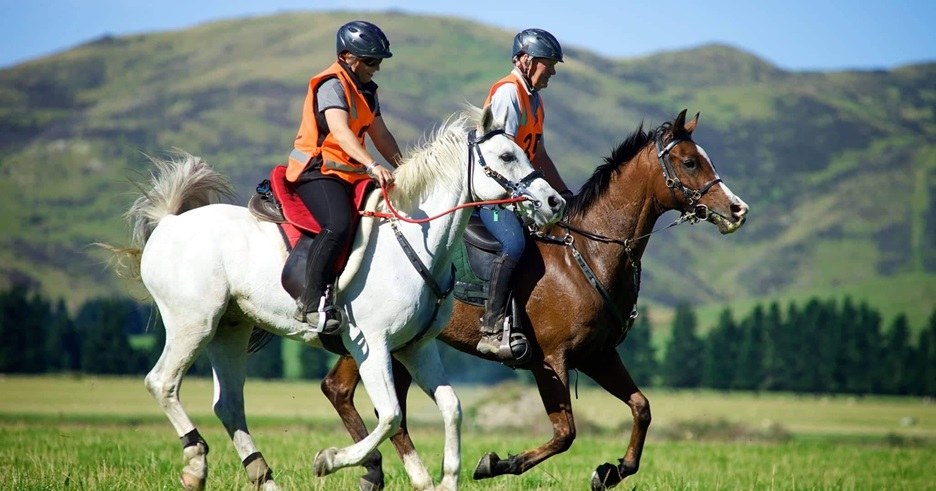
{"x":375,"y":373}
{"x":425,"y":366}
{"x":339,"y":386}
{"x":608,"y":371}
{"x":552,"y":382}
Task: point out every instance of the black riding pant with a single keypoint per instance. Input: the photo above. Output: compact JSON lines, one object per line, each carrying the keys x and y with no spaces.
{"x":331,"y":203}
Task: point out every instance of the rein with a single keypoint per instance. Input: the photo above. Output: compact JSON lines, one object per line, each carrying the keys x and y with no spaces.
{"x":518,"y":190}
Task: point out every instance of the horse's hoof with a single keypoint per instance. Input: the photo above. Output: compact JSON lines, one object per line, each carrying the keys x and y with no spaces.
{"x":268,"y":486}
{"x":371,"y":483}
{"x":324,"y":462}
{"x":486,"y":465}
{"x":192,"y":483}
{"x":606,"y":476}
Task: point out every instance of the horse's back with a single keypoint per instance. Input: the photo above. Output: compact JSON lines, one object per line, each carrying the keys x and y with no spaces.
{"x":211,"y":251}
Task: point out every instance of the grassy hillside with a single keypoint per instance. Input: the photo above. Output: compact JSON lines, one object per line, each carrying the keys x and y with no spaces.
{"x":839,"y":168}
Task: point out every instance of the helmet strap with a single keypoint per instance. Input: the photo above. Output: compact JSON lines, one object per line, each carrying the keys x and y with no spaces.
{"x":525,"y":62}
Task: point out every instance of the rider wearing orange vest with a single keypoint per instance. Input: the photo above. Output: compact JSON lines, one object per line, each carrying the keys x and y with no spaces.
{"x":516,"y":99}
{"x":329,"y":156}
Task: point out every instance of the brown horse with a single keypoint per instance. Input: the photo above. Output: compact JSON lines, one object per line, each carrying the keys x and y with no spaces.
{"x":590,"y":265}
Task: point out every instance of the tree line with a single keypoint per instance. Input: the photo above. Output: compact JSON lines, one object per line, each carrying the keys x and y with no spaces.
{"x":822,"y":346}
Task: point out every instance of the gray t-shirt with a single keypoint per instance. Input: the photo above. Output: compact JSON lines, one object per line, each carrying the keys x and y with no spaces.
{"x":331,"y":94}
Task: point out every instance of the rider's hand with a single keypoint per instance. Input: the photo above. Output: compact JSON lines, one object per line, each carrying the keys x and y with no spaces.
{"x":380,"y":173}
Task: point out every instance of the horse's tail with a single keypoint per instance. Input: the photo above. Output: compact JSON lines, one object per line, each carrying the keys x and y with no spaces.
{"x":183,"y":183}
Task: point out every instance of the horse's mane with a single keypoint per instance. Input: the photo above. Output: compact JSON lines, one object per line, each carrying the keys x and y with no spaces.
{"x":436,"y":159}
{"x":601,"y":177}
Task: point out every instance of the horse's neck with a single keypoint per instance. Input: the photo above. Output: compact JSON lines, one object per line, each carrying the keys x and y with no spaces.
{"x":626,"y":210}
{"x":441,"y":234}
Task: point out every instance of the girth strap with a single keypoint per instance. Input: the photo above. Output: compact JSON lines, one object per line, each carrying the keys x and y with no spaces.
{"x":427,"y":277}
{"x":625,"y":325}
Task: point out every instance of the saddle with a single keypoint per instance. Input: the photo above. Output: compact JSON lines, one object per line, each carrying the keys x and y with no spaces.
{"x":473,"y":263}
{"x":276,"y":201}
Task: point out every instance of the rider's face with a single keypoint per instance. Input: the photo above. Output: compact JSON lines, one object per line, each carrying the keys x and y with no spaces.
{"x":541,"y":69}
{"x":364,"y":68}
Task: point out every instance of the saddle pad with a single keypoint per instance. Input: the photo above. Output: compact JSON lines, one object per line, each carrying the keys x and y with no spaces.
{"x":295,"y":211}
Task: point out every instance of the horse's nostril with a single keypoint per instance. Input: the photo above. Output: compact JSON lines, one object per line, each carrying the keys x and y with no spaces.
{"x":554,"y":202}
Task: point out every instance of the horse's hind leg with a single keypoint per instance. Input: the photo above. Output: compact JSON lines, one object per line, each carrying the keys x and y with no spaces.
{"x":228,"y":355}
{"x":184,"y":341}
{"x":424,"y":364}
{"x":608,"y":371}
{"x":552,"y":382}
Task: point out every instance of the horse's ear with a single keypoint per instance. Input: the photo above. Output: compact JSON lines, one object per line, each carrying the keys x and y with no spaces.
{"x":680,"y":122}
{"x":692,"y":124}
{"x":487,"y":120}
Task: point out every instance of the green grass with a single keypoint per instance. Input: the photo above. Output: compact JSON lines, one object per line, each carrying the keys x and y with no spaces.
{"x":104,"y":433}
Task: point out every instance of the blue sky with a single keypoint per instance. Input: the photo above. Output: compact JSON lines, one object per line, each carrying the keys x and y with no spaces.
{"x":793,"y":34}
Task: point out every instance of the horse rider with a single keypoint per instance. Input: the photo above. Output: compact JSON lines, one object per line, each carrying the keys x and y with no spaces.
{"x":516,"y":97}
{"x":330,"y":156}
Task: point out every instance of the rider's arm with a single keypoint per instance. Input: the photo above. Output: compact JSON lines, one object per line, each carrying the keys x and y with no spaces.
{"x":338,"y":125}
{"x":543,"y":163}
{"x":384,"y":141}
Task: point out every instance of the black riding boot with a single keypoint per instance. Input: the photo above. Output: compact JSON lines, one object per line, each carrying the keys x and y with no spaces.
{"x":492,"y":324}
{"x":318,"y":296}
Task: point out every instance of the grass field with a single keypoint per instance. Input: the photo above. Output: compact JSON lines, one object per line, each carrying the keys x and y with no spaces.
{"x":60,"y":433}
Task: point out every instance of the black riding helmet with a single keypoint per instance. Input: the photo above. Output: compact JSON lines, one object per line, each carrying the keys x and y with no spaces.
{"x":363,"y":39}
{"x":537,"y":43}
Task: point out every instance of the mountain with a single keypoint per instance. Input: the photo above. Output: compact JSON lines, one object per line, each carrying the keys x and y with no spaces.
{"x":838,"y":167}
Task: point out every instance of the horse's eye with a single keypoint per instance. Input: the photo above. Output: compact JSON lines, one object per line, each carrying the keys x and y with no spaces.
{"x":690,"y":163}
{"x":508,"y":157}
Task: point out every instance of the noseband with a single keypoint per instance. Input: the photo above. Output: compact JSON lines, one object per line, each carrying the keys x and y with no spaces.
{"x":693,"y":208}
{"x":516,"y":189}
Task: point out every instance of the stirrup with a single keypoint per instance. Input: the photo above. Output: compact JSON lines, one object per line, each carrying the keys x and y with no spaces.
{"x":329,"y":320}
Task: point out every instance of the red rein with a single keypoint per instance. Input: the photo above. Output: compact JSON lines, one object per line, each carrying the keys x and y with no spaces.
{"x":394,"y":214}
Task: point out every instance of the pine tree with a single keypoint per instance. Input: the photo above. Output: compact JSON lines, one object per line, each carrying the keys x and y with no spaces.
{"x":315,"y":362}
{"x":24,"y":317}
{"x":870,"y":374}
{"x":268,"y":362}
{"x":774,"y":368}
{"x":849,"y":357}
{"x":897,"y":357}
{"x":926,"y":356}
{"x":720,"y":353}
{"x":63,"y":344}
{"x":749,"y":370}
{"x":103,"y":325}
{"x":638,"y":353}
{"x":682,"y":367}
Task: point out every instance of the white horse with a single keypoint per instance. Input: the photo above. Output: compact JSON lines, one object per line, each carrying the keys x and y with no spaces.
{"x":213,"y":271}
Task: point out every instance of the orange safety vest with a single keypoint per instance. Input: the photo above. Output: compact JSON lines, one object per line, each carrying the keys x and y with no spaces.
{"x":529,"y":129}
{"x":310,"y":143}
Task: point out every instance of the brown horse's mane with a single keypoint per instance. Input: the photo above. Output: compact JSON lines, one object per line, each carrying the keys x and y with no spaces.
{"x":601,"y":177}
{"x":624,"y":153}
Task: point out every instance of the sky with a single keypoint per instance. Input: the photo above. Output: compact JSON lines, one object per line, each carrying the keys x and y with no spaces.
{"x":797,"y":35}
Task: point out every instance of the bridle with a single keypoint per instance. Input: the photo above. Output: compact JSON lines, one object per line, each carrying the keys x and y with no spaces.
{"x":693,"y":212}
{"x":672,"y":180}
{"x":516,"y":189}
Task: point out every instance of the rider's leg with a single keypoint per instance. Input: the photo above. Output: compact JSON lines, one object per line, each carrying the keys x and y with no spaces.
{"x":507,"y":228}
{"x":329,"y":201}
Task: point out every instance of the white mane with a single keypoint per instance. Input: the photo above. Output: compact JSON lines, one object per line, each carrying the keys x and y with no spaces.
{"x":421,"y":169}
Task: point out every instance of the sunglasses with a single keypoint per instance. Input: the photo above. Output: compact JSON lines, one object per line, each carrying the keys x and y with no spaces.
{"x":371,"y":62}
